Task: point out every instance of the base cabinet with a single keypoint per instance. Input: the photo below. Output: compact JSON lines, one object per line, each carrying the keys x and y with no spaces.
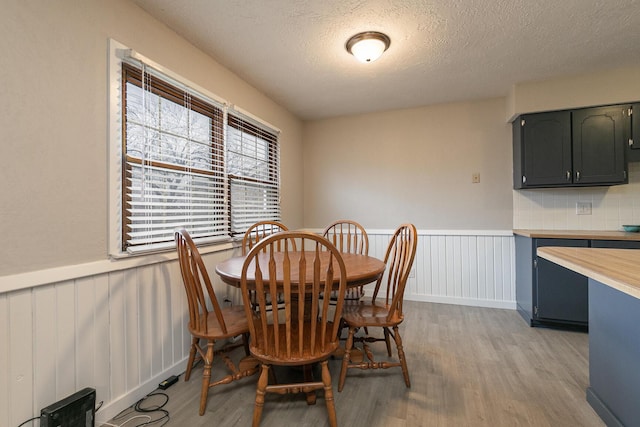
{"x":562,"y":294}
{"x":548,"y":294}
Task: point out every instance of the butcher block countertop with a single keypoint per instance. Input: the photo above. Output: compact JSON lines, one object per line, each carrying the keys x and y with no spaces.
{"x":617,"y":268}
{"x":578,"y":234}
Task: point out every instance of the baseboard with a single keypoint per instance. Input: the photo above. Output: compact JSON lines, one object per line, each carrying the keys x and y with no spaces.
{"x":602,"y":410}
{"x":508,"y":305}
{"x":117,"y":405}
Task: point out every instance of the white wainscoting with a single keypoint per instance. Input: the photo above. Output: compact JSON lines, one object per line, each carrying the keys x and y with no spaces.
{"x":122,"y":331}
{"x":459,"y":267}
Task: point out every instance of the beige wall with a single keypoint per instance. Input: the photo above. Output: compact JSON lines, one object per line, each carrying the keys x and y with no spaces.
{"x":53,"y":153}
{"x":614,"y":86}
{"x":411,"y":165}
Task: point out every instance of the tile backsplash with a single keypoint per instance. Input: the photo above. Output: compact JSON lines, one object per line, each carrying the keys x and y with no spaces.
{"x":555,"y":209}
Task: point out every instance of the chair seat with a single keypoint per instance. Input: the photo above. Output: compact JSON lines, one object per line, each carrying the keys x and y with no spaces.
{"x":321,"y":352}
{"x":235,"y":319}
{"x":364,"y":314}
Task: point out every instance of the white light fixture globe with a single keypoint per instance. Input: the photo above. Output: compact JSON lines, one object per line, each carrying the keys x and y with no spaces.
{"x":368,"y":46}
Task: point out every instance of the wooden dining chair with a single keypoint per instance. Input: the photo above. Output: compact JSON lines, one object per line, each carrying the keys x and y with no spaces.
{"x":306,"y":332}
{"x":348,"y":237}
{"x":209,"y":325}
{"x":259,"y":231}
{"x":253,"y":235}
{"x":383,"y":312}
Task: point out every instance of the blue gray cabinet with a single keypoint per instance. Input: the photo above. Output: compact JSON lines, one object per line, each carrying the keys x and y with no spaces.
{"x":572,"y":148}
{"x":548,"y":294}
{"x":542,"y":150}
{"x":614,"y":348}
{"x":599,"y":141}
{"x":634,"y":139}
{"x":562,"y":294}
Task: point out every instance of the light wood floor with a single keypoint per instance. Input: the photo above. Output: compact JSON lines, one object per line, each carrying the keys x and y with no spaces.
{"x":469,"y":366}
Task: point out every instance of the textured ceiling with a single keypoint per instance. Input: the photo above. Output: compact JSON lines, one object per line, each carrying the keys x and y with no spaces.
{"x":441,"y":50}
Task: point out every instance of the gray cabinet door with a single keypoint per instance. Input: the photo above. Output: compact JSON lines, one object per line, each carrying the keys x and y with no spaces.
{"x":635,"y":127}
{"x":545,"y":144}
{"x":633,"y":152}
{"x":561,"y":295}
{"x":600,"y":136}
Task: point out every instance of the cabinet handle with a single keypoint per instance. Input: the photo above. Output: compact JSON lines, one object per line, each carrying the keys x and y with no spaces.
{"x":568,"y":175}
{"x":577,"y":175}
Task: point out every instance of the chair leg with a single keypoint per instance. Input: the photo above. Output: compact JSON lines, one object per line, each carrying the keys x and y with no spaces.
{"x":261,"y":390}
{"x":346,"y":358}
{"x":192,"y":357}
{"x":245,"y":343}
{"x":341,"y":326}
{"x":307,"y":371}
{"x":387,"y":340}
{"x":401,"y":356}
{"x":206,"y":377}
{"x":328,"y":394}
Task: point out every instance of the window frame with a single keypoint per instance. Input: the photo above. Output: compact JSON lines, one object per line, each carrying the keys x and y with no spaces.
{"x":119,"y":55}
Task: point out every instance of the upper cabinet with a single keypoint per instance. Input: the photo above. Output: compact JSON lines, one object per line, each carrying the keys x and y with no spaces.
{"x":542,"y":149}
{"x":634,"y":139}
{"x":571,"y":148}
{"x":600,"y":138}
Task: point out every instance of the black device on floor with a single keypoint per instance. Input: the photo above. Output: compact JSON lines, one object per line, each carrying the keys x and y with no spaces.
{"x":76,"y":410}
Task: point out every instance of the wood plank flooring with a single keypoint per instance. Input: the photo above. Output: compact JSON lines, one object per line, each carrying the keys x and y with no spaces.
{"x":469,"y":366}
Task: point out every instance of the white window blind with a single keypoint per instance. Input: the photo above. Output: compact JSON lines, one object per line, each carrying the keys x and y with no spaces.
{"x":253,"y":171}
{"x":173,"y":162}
{"x":187,"y":160}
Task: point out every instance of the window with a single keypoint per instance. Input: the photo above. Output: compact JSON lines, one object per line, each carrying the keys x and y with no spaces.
{"x":188,"y":160}
{"x":252,"y":165}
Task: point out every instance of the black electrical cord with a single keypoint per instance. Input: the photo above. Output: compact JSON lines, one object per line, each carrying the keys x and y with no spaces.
{"x":138,"y":406}
{"x":141,"y":407}
{"x":30,"y":419}
{"x":154,"y":408}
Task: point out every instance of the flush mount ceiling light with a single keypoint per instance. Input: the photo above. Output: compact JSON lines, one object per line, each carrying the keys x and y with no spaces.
{"x":368,"y":46}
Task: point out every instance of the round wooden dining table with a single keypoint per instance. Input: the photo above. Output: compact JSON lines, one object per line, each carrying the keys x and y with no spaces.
{"x":361,"y":269}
